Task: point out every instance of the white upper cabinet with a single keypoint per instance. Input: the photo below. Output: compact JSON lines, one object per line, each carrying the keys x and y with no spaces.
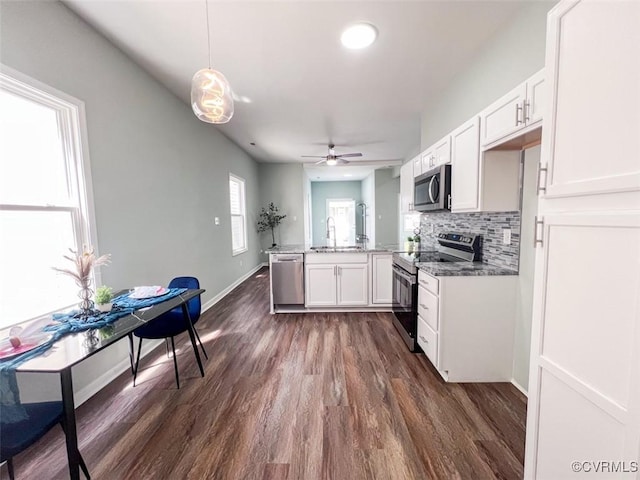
{"x":406,"y":187}
{"x":427,"y":160}
{"x":417,"y":166}
{"x":594,"y":133}
{"x":436,"y":155}
{"x":465,"y":158}
{"x":519,"y":110}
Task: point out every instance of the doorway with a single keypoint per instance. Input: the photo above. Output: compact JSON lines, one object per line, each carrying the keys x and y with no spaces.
{"x":343,"y":212}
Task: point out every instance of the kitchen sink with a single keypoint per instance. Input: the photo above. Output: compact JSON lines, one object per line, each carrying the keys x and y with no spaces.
{"x":346,"y":248}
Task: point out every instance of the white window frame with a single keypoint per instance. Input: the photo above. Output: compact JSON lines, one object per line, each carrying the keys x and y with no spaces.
{"x":73,"y":129}
{"x":243,"y":207}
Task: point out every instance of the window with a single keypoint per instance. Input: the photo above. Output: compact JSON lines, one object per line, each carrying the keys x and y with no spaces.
{"x":43,"y":196}
{"x":238,"y":215}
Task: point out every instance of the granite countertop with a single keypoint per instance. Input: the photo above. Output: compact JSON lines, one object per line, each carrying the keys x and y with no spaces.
{"x":307,"y":249}
{"x":463,"y":269}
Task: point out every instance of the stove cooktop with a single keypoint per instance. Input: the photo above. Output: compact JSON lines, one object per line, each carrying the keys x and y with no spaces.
{"x":428,"y":256}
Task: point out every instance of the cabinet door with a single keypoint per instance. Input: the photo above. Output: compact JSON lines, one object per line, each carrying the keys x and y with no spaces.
{"x":406,"y":187}
{"x":442,"y":151}
{"x":427,"y":161}
{"x":382,"y":279}
{"x":593,"y":113}
{"x":417,"y":166}
{"x":465,"y":158}
{"x":536,"y":98}
{"x":353,"y":280}
{"x":320,"y":287}
{"x":504,"y":116}
{"x":584,"y":389}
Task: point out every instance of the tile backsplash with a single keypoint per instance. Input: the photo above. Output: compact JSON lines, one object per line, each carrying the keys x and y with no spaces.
{"x":487,"y":224}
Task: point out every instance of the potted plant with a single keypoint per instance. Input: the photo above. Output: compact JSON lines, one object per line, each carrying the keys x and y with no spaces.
{"x":408,"y":245}
{"x":104,"y":297}
{"x":416,"y":242}
{"x":269,"y":220}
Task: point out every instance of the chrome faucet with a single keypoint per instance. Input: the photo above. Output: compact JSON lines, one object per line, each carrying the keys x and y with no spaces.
{"x":329,"y":227}
{"x":362,"y":238}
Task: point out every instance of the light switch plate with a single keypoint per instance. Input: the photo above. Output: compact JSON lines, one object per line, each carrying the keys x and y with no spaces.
{"x":216,"y":220}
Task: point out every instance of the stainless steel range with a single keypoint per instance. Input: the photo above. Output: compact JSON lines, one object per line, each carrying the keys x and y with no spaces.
{"x":453,"y":247}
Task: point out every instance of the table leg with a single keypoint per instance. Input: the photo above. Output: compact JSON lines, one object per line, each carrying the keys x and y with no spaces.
{"x":187,"y":317}
{"x":131,"y":353}
{"x":69,"y":414}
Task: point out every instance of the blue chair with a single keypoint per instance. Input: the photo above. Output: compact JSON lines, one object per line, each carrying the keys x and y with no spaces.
{"x":16,"y":437}
{"x":171,"y":324}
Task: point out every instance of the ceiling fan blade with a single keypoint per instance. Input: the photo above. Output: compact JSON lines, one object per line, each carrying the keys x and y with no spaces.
{"x":313,"y":156}
{"x":342,"y":161}
{"x":321,"y":161}
{"x":347,"y":155}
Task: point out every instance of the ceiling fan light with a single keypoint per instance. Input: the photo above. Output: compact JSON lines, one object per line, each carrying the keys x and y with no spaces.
{"x":211,"y":96}
{"x":331,"y":162}
{"x":359,"y":35}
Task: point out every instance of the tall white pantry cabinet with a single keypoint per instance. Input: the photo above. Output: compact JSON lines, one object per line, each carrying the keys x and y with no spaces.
{"x":584,"y":392}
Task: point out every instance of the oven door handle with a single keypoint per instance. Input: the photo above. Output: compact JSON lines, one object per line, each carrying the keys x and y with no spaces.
{"x":398,"y":271}
{"x":433,"y":200}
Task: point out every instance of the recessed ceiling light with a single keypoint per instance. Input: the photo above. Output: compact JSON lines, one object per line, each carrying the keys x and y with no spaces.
{"x":359,"y":35}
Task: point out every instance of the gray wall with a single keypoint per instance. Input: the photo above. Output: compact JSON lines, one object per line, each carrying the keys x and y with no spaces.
{"x":513,"y":54}
{"x":284,"y":185}
{"x":522,"y":340}
{"x":320,"y":191}
{"x":387,"y":189}
{"x":160,"y":176}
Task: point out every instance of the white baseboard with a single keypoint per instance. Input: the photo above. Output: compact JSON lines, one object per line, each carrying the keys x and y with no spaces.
{"x":110,"y":375}
{"x":227,"y":290}
{"x":519,"y":387}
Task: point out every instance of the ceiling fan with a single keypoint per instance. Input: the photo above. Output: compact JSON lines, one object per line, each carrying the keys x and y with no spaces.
{"x":332,"y":159}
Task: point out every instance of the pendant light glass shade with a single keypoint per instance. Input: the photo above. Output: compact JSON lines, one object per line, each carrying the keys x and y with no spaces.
{"x":211,"y":96}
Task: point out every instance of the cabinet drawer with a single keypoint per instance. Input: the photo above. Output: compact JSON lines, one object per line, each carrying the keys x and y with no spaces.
{"x":428,"y":341}
{"x":428,"y":282}
{"x":428,"y":307}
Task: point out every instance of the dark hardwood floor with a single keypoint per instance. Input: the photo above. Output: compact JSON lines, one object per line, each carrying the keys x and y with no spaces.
{"x":298,"y":397}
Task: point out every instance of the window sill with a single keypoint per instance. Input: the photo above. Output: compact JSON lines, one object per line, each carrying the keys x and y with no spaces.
{"x":238,"y":252}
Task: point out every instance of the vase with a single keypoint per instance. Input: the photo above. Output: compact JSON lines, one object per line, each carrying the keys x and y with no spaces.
{"x":85,"y":294}
{"x":104,"y":307}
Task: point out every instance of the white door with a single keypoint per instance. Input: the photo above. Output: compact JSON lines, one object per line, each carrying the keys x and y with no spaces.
{"x":465,"y":159}
{"x":382,"y":279}
{"x":343,"y":213}
{"x":442,"y":151}
{"x":536,"y":98}
{"x":593,"y":70}
{"x":320,"y":285}
{"x":584,"y":390}
{"x":504,"y":116}
{"x":406,"y":187}
{"x":353,"y":282}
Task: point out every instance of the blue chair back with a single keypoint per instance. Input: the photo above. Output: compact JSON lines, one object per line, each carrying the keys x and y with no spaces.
{"x":194,"y":305}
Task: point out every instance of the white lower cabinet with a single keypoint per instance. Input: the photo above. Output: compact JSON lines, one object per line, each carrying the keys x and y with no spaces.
{"x":320,"y":285}
{"x":352,"y":284}
{"x":381,"y":279}
{"x":466,"y":326}
{"x":337,"y":279}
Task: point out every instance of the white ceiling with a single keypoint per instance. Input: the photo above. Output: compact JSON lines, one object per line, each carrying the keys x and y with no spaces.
{"x":339,"y":173}
{"x":305,"y":89}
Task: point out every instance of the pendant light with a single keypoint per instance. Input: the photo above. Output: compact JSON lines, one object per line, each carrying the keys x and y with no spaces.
{"x":211,"y":96}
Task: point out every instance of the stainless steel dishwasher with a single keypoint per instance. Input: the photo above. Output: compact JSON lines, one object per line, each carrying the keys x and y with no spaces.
{"x":287,"y":278}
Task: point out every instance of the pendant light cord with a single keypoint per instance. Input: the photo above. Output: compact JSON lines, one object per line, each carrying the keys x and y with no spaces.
{"x":206,"y":3}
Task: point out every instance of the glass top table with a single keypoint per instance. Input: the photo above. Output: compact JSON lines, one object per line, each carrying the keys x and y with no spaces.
{"x":74,"y":348}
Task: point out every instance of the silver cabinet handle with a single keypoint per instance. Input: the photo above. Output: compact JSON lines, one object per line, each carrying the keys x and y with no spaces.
{"x":424,"y":306}
{"x":525,"y":111}
{"x":537,"y":240}
{"x":518,"y":110}
{"x":424,"y":339}
{"x":542,"y":188}
{"x":335,"y":270}
{"x":449,"y":201}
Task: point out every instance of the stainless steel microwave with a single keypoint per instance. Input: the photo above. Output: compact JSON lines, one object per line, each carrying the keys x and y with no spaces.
{"x":432,"y":190}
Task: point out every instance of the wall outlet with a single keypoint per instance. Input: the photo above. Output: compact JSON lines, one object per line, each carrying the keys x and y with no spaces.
{"x":216,"y":220}
{"x":506,"y":236}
